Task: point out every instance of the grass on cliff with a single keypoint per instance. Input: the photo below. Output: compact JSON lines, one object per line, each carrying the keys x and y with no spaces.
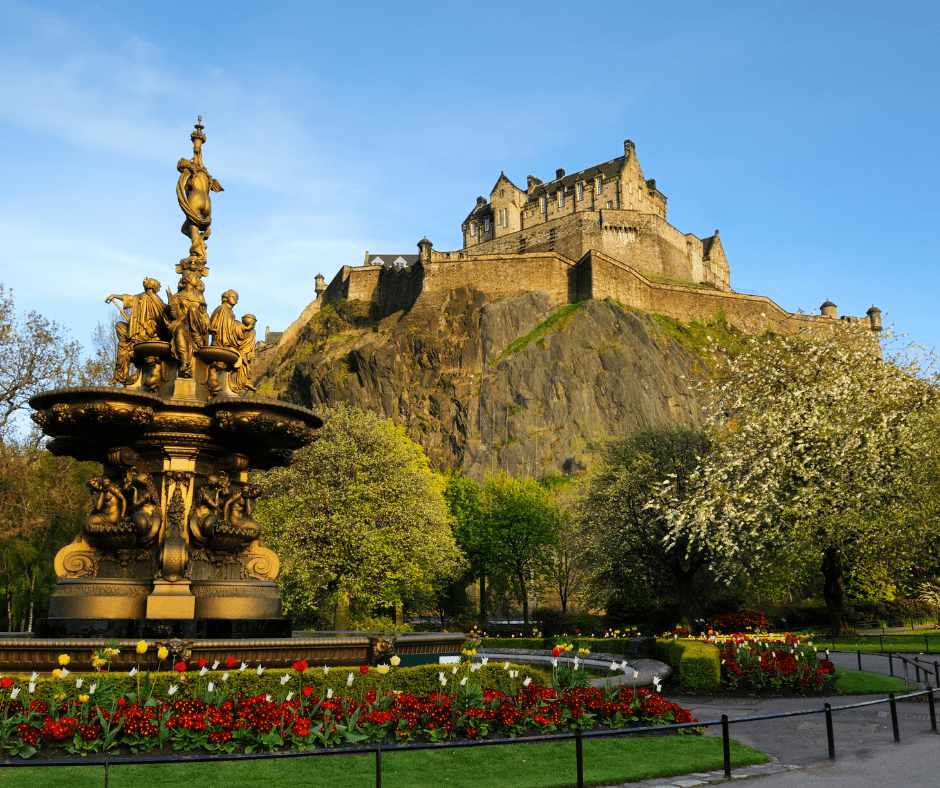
{"x":699,"y":337}
{"x":544,"y":765}
{"x":558,"y":321}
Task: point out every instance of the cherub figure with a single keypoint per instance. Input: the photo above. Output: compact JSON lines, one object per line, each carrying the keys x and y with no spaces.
{"x":145,"y":506}
{"x":205,"y":513}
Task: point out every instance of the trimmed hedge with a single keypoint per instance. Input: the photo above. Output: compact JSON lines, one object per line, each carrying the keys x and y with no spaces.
{"x":623,"y":646}
{"x":420,"y":681}
{"x":697,"y":664}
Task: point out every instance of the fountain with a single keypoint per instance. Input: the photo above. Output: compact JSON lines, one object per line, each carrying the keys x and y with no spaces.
{"x":170,"y":552}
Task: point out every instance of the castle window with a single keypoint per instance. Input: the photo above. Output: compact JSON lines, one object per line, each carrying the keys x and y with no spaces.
{"x":580,"y":191}
{"x":473,"y":228}
{"x":599,"y":184}
{"x":544,"y":204}
{"x":610,"y":203}
{"x":561,"y":198}
{"x":639,"y":194}
{"x":486,"y":225}
{"x":502,"y":192}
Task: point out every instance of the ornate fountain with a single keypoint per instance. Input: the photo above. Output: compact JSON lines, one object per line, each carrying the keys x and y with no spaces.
{"x":170,"y":547}
{"x":170,"y":552}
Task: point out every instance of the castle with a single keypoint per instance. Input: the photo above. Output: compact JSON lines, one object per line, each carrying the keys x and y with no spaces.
{"x":598,"y":233}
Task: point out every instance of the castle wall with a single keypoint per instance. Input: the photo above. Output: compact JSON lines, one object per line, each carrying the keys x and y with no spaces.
{"x":398,"y":289}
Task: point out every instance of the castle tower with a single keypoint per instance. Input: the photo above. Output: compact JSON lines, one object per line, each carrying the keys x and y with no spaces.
{"x":828,"y":309}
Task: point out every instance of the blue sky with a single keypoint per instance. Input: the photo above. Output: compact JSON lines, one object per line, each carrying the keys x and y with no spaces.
{"x":806,"y":132}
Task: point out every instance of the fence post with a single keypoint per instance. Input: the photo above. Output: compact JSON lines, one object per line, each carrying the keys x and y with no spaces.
{"x":829,"y":733}
{"x":378,"y":767}
{"x":881,"y":643}
{"x":726,"y":745}
{"x":907,"y":679}
{"x":579,"y":755}
{"x":891,"y":663}
{"x":859,"y":655}
{"x":894,"y":716}
{"x":936,"y":672}
{"x":105,"y":774}
{"x":933,"y":711}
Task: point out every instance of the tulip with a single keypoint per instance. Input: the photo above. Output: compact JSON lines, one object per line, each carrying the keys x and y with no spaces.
{"x":34,"y":676}
{"x":83,"y":698}
{"x":173,"y":688}
{"x":210,"y":687}
{"x":555,"y":662}
{"x":289,"y":696}
{"x":215,"y":664}
{"x":64,"y":659}
{"x":133,"y":672}
{"x":454,"y":671}
{"x":440,"y":676}
{"x":225,"y":677}
{"x":267,"y":698}
{"x":78,"y":683}
{"x":463,"y":681}
{"x":92,"y":688}
{"x":32,"y":687}
{"x":162,"y":653}
{"x":14,"y":692}
{"x":527,"y":682}
{"x":350,"y":680}
{"x":505,"y":666}
{"x":260,"y":670}
{"x":142,"y":647}
{"x":244,"y":665}
{"x":285,"y":678}
{"x":395,"y":660}
{"x":484,"y":660}
{"x":326,"y":668}
{"x":382,"y":669}
{"x":63,"y":673}
{"x":204,"y":670}
{"x":613,"y":665}
{"x":329,"y":693}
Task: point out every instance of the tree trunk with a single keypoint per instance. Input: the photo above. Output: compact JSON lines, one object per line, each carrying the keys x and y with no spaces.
{"x":524,"y":598}
{"x":833,"y":592}
{"x":684,"y":594}
{"x":482,"y":597}
{"x":399,"y":614}
{"x":341,"y":616}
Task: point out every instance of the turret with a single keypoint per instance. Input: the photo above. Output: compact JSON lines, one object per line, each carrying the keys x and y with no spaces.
{"x":828,"y":309}
{"x":424,"y":251}
{"x":874,"y":316}
{"x":320,"y":285}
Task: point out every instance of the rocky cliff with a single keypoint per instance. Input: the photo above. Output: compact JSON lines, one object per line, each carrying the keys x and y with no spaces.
{"x":520,"y":385}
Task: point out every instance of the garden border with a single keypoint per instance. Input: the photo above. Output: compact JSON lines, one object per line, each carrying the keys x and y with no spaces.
{"x":577,"y":735}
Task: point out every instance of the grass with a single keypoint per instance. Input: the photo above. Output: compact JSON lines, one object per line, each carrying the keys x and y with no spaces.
{"x":858,"y":682}
{"x":699,"y":337}
{"x":909,"y":643}
{"x":547,"y":765}
{"x":558,"y":321}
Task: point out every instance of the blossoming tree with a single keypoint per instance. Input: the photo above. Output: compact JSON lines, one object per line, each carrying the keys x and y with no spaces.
{"x":822,"y":453}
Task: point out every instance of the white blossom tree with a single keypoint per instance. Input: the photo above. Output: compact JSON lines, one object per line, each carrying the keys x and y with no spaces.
{"x":822,"y":452}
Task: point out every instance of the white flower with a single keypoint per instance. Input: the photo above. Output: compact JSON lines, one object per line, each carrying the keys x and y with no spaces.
{"x":267,"y":698}
{"x":613,"y":665}
{"x":285,"y":678}
{"x":527,"y":682}
{"x":484,"y":660}
{"x":64,"y":673}
{"x":215,"y":664}
{"x":326,"y":669}
{"x":133,"y":672}
{"x":92,"y":688}
{"x":225,"y":676}
{"x":440,"y":676}
{"x":350,"y":680}
{"x":34,"y":676}
{"x":242,"y":668}
{"x":463,"y":681}
{"x":443,"y":682}
{"x":575,"y":662}
{"x":210,"y":686}
{"x":623,"y":665}
{"x":289,"y":696}
{"x":78,"y":683}
{"x":555,"y":662}
{"x":329,"y":693}
{"x":260,"y":670}
{"x":32,"y":687}
{"x":172,"y":690}
{"x":635,"y":674}
{"x":505,"y":666}
{"x":14,"y":692}
{"x":205,"y":670}
{"x":454,"y":671}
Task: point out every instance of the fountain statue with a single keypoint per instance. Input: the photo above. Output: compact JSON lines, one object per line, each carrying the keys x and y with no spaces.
{"x":170,"y":545}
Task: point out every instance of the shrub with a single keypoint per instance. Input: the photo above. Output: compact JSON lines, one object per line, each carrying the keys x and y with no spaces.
{"x":745,"y":621}
{"x":697,"y":664}
{"x":553,"y":622}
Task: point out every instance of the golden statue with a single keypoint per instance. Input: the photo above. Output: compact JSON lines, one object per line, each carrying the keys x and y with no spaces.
{"x":192,"y":191}
{"x":189,"y":321}
{"x":145,"y":323}
{"x":229,"y":333}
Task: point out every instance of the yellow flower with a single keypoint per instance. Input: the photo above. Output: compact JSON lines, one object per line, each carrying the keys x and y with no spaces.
{"x":64,"y":659}
{"x":382,"y":669}
{"x":83,"y":698}
{"x":97,"y":662}
{"x":163,"y":652}
{"x":56,"y":673}
{"x":142,"y":647}
{"x":395,"y":660}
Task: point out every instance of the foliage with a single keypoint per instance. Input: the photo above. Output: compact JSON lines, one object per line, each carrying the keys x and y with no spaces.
{"x":696,"y":663}
{"x":358,"y":515}
{"x":557,"y":321}
{"x":745,"y":621}
{"x":624,"y":536}
{"x":749,"y":664}
{"x":821,"y":450}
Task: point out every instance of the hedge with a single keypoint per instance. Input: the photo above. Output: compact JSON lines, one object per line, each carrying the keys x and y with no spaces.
{"x":420,"y":681}
{"x":697,"y":664}
{"x":623,"y":646}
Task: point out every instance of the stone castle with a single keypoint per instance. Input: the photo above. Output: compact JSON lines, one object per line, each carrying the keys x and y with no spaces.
{"x":598,"y":233}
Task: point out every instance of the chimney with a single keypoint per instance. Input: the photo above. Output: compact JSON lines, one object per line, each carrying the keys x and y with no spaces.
{"x":532,"y":182}
{"x":481,"y":201}
{"x":628,"y":148}
{"x":559,"y":174}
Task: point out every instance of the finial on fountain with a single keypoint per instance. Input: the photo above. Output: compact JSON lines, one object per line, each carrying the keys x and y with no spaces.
{"x":192,"y":192}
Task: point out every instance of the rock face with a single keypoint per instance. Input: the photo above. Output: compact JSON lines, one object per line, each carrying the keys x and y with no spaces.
{"x":459,"y":376}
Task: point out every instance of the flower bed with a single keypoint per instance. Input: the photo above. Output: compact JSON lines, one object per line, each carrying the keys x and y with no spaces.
{"x":89,"y":714}
{"x":761,"y":665}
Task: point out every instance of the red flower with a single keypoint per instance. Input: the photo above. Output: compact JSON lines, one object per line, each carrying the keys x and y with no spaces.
{"x":307,"y":691}
{"x":202,"y":663}
{"x":556,"y":652}
{"x":300,"y":666}
{"x":230,"y":662}
{"x":363,"y":669}
{"x":180,"y":667}
{"x":121,"y":701}
{"x":6,"y":682}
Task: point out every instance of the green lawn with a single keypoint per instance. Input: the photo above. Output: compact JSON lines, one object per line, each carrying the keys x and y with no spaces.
{"x":548,"y":765}
{"x":914,"y":642}
{"x":857,"y":682}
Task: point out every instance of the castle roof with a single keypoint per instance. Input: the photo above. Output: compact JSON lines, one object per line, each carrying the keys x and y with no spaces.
{"x":406,"y":260}
{"x":607,"y":169}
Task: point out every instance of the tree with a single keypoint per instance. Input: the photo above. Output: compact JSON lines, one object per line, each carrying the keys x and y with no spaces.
{"x":624,"y":536}
{"x":465,"y":501}
{"x":357,"y":516}
{"x":820,"y":451}
{"x":35,"y":355}
{"x":519,"y":524}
